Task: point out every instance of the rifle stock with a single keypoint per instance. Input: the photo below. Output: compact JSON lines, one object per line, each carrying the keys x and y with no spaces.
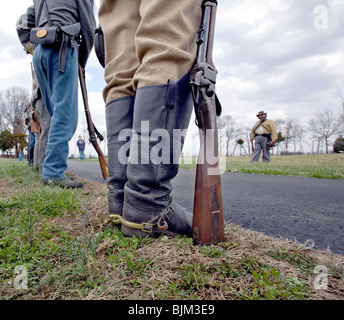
{"x":91,"y":129}
{"x":35,"y":124}
{"x":208,"y":224}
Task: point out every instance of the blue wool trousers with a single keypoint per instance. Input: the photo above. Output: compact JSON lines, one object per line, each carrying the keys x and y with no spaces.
{"x":60,"y":95}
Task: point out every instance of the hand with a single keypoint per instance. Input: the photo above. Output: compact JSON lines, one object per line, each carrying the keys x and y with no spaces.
{"x":270,"y":144}
{"x":29,"y":48}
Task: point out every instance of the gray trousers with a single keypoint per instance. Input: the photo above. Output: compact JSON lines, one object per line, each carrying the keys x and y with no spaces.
{"x":260,"y":143}
{"x":41,"y":139}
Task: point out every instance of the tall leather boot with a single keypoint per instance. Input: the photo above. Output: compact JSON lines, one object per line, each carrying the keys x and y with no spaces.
{"x":161,"y":112}
{"x":119,"y":116}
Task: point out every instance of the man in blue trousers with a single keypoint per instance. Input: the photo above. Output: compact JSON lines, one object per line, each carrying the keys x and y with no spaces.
{"x":56,"y":68}
{"x":81,"y":146}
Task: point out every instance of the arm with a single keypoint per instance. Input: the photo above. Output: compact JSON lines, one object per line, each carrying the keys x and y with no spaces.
{"x":88,"y":25}
{"x":274,"y":135}
{"x":252,"y":133}
{"x":24,"y":25}
{"x":273,"y":132}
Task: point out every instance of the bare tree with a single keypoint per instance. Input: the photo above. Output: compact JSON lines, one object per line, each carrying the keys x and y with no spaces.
{"x":226,"y":128}
{"x":247,"y":134}
{"x":279,"y":127}
{"x":280,"y":139}
{"x":296,"y":135}
{"x":279,"y":124}
{"x":240,"y":142}
{"x":13,"y":104}
{"x":2,"y":110}
{"x":342,"y":98}
{"x":288,"y":128}
{"x":316,"y":144}
{"x":325,"y":125}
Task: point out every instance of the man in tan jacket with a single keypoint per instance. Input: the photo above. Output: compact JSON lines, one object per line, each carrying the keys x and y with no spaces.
{"x":263,"y":132}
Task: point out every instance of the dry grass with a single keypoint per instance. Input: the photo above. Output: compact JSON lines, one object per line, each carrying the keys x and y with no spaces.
{"x":165,"y":257}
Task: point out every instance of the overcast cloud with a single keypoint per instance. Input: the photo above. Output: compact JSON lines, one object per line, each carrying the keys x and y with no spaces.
{"x":284,"y":57}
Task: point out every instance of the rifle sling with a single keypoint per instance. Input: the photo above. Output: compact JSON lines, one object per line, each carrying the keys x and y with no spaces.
{"x":261,"y":124}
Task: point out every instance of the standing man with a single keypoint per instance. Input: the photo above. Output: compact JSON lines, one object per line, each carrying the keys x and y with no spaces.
{"x":263,"y":132}
{"x":56,"y":68}
{"x":150,"y":48}
{"x":81,"y":146}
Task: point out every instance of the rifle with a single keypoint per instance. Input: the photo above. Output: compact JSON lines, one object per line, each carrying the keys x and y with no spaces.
{"x":90,"y":126}
{"x":207,"y":225}
{"x":35,"y":124}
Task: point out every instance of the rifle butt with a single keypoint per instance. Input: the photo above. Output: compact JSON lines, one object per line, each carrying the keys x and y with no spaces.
{"x":208,"y":223}
{"x":103,"y":166}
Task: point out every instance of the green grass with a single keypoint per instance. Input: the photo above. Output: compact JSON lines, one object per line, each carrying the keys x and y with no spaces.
{"x":325,"y":166}
{"x":58,"y":236}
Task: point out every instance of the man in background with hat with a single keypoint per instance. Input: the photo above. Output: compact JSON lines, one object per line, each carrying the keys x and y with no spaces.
{"x":264,"y":134}
{"x":71,"y":25}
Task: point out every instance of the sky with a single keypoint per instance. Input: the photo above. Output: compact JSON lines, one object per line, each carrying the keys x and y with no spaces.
{"x":283,"y":57}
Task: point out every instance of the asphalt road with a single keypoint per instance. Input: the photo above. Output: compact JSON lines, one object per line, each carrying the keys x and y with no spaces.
{"x":295,"y":208}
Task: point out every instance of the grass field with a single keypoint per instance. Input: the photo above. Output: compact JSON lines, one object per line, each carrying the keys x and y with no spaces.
{"x":326,"y":166}
{"x":55,"y":245}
